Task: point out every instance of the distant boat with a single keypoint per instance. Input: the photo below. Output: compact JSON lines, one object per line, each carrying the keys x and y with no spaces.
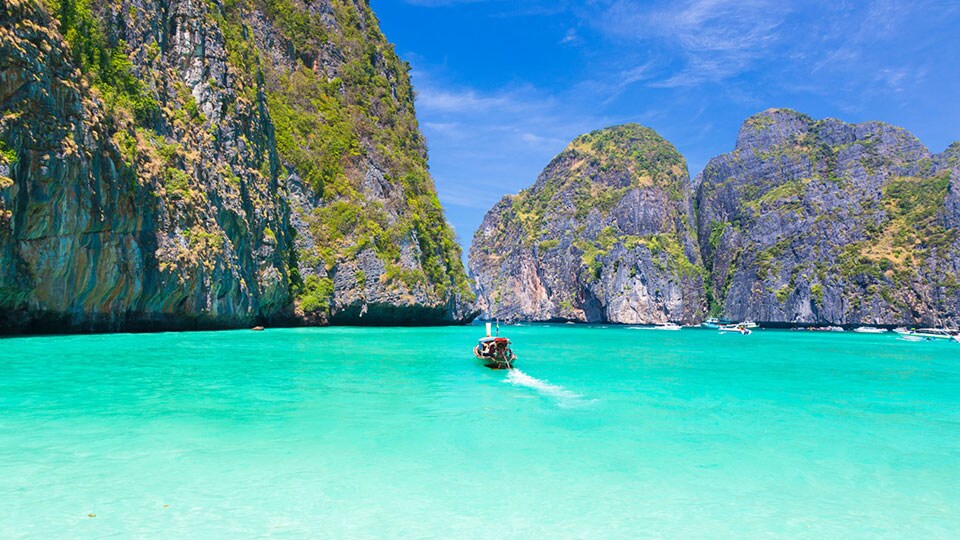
{"x":869,"y":330}
{"x":930,"y":334}
{"x":740,"y":328}
{"x":750,"y":324}
{"x":666,"y":326}
{"x":712,"y":323}
{"x":827,"y":329}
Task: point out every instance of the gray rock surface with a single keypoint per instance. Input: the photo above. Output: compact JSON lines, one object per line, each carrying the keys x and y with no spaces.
{"x":141,"y":185}
{"x":604,"y":235}
{"x":805,"y":222}
{"x":824,"y":222}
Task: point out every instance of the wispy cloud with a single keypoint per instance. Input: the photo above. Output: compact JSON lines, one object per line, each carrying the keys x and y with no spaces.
{"x":571,"y":37}
{"x":613,"y":87}
{"x":442,"y":3}
{"x":435,"y":99}
{"x":714,"y":39}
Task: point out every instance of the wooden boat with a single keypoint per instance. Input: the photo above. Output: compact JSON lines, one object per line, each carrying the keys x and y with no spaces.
{"x":494,"y":351}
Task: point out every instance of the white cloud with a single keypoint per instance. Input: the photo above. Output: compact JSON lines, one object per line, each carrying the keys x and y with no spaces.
{"x":442,"y":3}
{"x":716,"y":39}
{"x":456,"y":101}
{"x":571,"y":37}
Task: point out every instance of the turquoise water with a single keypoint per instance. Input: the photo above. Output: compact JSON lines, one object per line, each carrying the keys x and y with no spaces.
{"x":399,"y":433}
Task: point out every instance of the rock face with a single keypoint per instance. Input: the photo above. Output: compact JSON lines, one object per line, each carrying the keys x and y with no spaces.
{"x":805,"y":222}
{"x":170,"y":164}
{"x":604,"y":235}
{"x":826,"y":222}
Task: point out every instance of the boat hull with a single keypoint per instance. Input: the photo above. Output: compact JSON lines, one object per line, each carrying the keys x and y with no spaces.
{"x":931,"y":337}
{"x":662,"y":327}
{"x":504,"y":362}
{"x":742,"y":330}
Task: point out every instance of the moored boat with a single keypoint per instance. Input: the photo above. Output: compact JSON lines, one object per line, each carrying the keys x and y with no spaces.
{"x":665,"y":326}
{"x":712,"y":323}
{"x":826,"y":329}
{"x":932,"y":334}
{"x":869,"y":330}
{"x":668,"y":326}
{"x":739,"y":328}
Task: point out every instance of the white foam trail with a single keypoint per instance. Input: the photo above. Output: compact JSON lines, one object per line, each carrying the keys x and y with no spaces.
{"x":519,"y":378}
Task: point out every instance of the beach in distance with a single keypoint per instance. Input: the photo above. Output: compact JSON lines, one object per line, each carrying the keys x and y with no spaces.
{"x":599,"y":432}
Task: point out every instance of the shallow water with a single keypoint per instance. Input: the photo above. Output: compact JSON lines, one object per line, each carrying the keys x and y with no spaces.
{"x":400,"y":433}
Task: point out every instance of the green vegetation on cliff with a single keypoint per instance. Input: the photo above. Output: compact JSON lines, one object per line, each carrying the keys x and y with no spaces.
{"x":664,"y":247}
{"x":598,"y":169}
{"x":646,"y":157}
{"x":829,"y":222}
{"x":253,"y":159}
{"x":107,"y":65}
{"x":910,"y":233}
{"x":605,"y":234}
{"x":332,"y":122}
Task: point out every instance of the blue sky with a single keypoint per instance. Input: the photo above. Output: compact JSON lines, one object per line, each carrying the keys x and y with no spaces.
{"x":504,"y":85}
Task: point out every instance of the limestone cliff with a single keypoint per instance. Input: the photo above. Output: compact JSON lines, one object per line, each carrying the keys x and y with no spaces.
{"x":826,"y":222}
{"x":188,"y":164}
{"x":604,"y":235}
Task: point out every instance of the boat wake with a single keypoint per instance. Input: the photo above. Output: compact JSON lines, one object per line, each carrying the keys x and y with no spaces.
{"x":519,"y":378}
